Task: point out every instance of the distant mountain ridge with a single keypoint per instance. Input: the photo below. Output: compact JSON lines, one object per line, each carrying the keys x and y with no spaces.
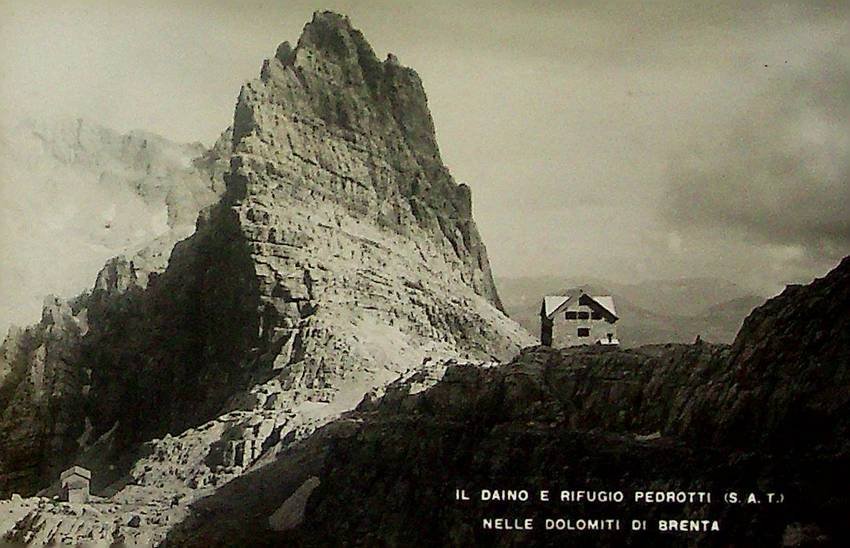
{"x":650,"y":312}
{"x":74,"y":193}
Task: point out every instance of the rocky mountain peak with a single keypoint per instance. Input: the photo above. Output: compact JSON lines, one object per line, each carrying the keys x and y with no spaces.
{"x":117,"y":276}
{"x":331,"y":34}
{"x":341,"y":254}
{"x":329,"y":40}
{"x":328,"y":121}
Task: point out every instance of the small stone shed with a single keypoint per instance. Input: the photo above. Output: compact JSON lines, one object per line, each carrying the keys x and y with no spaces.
{"x":74,"y":484}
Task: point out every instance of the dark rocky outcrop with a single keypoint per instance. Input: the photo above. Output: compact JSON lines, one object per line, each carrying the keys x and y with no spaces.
{"x":768,"y":414}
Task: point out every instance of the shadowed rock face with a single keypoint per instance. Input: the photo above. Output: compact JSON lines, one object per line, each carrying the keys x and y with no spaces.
{"x":341,"y":254}
{"x":768,"y":414}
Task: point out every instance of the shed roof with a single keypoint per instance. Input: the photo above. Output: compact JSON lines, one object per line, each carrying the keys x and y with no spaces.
{"x":75,"y":471}
{"x":606,"y":302}
{"x":553,"y":304}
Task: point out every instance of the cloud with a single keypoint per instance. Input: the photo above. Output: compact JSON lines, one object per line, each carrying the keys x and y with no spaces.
{"x":780,"y":173}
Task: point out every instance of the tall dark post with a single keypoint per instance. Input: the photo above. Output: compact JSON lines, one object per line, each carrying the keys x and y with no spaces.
{"x":546,"y":331}
{"x":545,"y":327}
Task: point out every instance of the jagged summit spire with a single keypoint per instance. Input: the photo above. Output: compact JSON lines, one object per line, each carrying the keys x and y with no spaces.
{"x":326,"y":24}
{"x":332,"y":33}
{"x":331,"y":36}
{"x":333,"y":72}
{"x":332,"y":120}
{"x":330,"y":39}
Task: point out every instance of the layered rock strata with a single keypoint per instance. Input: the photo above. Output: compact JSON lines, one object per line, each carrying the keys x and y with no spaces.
{"x":341,"y":254}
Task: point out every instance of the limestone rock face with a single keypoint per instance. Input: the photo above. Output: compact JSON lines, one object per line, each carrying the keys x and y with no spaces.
{"x":341,"y":255}
{"x":329,"y":125}
{"x":346,"y":208}
{"x":41,"y":392}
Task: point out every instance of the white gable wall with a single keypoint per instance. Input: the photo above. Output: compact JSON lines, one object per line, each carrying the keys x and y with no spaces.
{"x":565,"y":332}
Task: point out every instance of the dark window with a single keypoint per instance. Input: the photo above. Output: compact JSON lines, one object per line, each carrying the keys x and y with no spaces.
{"x":571,"y":315}
{"x":583,"y":331}
{"x":596,"y":315}
{"x":584,"y":315}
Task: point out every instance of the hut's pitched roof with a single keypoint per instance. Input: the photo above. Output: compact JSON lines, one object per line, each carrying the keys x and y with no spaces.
{"x":75,"y":471}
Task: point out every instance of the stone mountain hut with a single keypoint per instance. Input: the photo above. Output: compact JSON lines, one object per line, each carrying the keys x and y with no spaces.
{"x":578,"y":318}
{"x":74,"y":484}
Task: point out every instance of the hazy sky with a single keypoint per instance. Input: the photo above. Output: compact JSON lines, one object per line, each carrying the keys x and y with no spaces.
{"x":622,"y":140}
